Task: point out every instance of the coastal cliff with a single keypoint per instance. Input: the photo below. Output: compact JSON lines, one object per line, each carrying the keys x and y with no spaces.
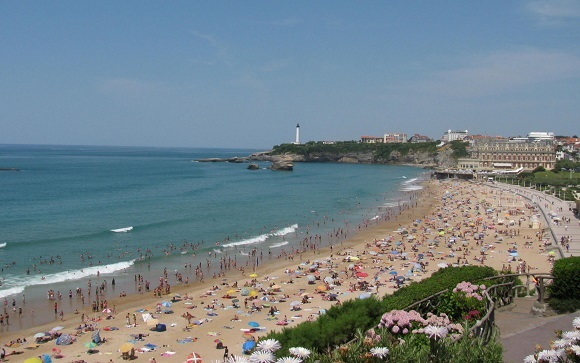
{"x":425,"y":154}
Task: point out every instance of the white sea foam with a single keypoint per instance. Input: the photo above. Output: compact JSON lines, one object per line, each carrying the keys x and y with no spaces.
{"x":263,"y":237}
{"x":122,"y":230}
{"x":278,"y":244}
{"x":61,"y":277}
{"x":2,"y":245}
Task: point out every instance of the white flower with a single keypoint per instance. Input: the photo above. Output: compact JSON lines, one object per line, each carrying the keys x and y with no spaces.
{"x":238,"y":359}
{"x":380,"y":352}
{"x":300,"y":352}
{"x":433,"y":331}
{"x":550,"y":356}
{"x":561,"y":343}
{"x":262,"y":356}
{"x":530,"y":359}
{"x":576,"y":322}
{"x":576,"y":349}
{"x":288,"y":360}
{"x":271,"y":345}
{"x":572,"y":335}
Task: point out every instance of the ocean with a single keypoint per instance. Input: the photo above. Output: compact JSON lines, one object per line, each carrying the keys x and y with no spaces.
{"x":58,"y":212}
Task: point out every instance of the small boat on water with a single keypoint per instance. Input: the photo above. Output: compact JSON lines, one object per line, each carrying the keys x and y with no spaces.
{"x":122,"y":230}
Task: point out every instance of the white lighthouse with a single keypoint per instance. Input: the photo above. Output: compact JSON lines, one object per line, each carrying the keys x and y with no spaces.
{"x":297,"y":134}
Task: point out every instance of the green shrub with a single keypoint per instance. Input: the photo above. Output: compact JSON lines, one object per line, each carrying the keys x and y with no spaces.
{"x":340,"y":323}
{"x":564,"y":289}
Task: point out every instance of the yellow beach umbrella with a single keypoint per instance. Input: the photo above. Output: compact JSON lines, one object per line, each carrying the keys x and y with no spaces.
{"x":231,"y":292}
{"x":253,"y":275}
{"x":253,"y":293}
{"x":33,"y":360}
{"x":126,"y":347}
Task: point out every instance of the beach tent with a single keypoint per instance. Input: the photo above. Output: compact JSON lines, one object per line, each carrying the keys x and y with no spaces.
{"x":96,"y":336}
{"x":161,"y":327}
{"x":64,"y":339}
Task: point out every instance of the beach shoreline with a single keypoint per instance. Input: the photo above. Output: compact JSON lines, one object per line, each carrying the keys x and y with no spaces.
{"x":424,"y":204}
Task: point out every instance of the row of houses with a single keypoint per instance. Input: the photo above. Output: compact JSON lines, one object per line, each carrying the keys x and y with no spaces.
{"x":492,"y":153}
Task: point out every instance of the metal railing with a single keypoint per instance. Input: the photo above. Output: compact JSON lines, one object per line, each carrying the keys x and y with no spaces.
{"x":496,"y":296}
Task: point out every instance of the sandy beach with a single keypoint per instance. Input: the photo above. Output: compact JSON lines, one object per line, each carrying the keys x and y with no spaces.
{"x":446,"y":223}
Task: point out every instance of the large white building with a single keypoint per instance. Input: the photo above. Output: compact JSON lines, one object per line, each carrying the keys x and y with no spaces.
{"x":450,"y":135}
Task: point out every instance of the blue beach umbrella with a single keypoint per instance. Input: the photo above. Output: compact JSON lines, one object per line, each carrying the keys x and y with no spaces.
{"x":253,"y":324}
{"x":248,"y":345}
{"x":393,"y":273}
{"x":394,"y":252}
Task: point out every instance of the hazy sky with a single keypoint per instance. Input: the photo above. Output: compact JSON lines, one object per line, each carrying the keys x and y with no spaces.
{"x":243,"y":73}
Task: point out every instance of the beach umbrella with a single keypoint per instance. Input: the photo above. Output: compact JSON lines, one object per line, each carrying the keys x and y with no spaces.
{"x":166,"y":304}
{"x":57,"y":328}
{"x":393,"y":273}
{"x":38,"y":335}
{"x":126,"y":347}
{"x":33,"y":360}
{"x":253,"y":293}
{"x":552,"y":253}
{"x":514,"y":254}
{"x":394,"y":252}
{"x":253,"y":276}
{"x":352,"y":258}
{"x":295,"y":303}
{"x":249,"y":345}
{"x":235,"y":301}
{"x":328,"y":280}
{"x":321,"y":288}
{"x":45,"y":358}
{"x":253,"y":324}
{"x":193,"y":358}
{"x":311,"y":278}
{"x":90,"y":345}
{"x":361,"y":274}
{"x":245,"y":292}
{"x":231,"y":292}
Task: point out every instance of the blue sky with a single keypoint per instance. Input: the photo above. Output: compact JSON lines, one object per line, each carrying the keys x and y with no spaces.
{"x":243,"y":73}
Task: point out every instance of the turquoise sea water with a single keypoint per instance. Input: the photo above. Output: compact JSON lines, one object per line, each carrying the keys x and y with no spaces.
{"x":57,"y":213}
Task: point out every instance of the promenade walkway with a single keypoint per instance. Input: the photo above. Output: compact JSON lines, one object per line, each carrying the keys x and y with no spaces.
{"x":548,"y":204}
{"x":520,"y":330}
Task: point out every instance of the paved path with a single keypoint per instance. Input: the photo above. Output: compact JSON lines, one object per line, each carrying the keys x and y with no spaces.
{"x":520,"y":331}
{"x":549,"y":203}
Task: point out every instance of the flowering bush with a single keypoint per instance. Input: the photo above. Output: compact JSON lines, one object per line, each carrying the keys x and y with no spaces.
{"x":465,"y":301}
{"x":565,"y":349}
{"x":401,"y":321}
